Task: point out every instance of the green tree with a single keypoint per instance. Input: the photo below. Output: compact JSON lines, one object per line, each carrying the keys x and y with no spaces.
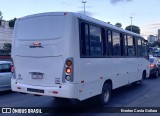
{"x":12,"y":22}
{"x":134,"y":29}
{"x":6,"y":49}
{"x":1,"y":17}
{"x":118,"y":25}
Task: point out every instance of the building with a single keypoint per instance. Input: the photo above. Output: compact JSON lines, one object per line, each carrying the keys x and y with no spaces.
{"x":6,"y":34}
{"x":158,"y":34}
{"x":152,"y":38}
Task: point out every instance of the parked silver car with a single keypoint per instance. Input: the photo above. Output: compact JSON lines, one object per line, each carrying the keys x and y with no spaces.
{"x":5,"y":75}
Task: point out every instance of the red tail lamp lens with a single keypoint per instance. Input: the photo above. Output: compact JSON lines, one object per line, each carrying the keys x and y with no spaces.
{"x":152,"y":65}
{"x":68,"y":70}
{"x":12,"y":69}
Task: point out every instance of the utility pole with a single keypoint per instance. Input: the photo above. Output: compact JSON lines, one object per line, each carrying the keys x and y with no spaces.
{"x":84,"y":2}
{"x":131,"y":23}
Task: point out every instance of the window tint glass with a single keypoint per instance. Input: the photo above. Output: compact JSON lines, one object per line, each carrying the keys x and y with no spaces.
{"x":145,"y":49}
{"x":5,"y":68}
{"x":92,"y":40}
{"x":84,"y":39}
{"x":139,"y":47}
{"x":116,"y":44}
{"x":109,"y":43}
{"x":131,"y":48}
{"x":95,"y":41}
{"x":125,"y":46}
{"x":87,"y":40}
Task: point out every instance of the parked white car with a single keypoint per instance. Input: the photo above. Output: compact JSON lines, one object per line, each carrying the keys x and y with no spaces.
{"x":5,"y":75}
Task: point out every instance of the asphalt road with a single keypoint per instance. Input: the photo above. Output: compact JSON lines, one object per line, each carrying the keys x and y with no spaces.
{"x":147,"y":95}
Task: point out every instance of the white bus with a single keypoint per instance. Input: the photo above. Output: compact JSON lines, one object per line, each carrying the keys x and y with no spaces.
{"x":70,"y":55}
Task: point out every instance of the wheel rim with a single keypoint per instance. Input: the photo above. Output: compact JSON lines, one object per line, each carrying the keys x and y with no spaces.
{"x":106,"y":96}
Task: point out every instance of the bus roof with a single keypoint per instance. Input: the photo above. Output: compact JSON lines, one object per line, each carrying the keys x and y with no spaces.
{"x":83,"y":17}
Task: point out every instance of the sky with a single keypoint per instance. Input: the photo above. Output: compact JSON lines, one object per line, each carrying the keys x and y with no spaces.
{"x":145,"y":13}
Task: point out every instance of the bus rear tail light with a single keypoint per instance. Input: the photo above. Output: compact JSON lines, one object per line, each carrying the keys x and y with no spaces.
{"x":68,"y":63}
{"x":68,"y":78}
{"x":13,"y":69}
{"x":68,"y":70}
{"x":68,"y":75}
{"x":55,"y":92}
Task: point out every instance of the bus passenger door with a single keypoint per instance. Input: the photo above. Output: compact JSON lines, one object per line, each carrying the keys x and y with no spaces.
{"x":140,"y":58}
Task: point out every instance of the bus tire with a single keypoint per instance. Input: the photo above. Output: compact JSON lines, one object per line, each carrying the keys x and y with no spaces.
{"x":59,"y":98}
{"x":140,"y":82}
{"x":157,"y":74}
{"x":105,"y":95}
{"x":143,"y":77}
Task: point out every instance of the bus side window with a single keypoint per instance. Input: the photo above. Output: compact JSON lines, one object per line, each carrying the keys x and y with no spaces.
{"x":84,"y":39}
{"x":135,"y":45}
{"x":145,"y":49}
{"x":104,"y":42}
{"x":109,"y":45}
{"x":116,"y":44}
{"x":92,"y":42}
{"x":139,"y":47}
{"x":96,"y":42}
{"x":131,"y":46}
{"x":125,"y":42}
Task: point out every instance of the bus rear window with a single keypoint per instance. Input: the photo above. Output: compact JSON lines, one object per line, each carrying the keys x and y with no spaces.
{"x":40,"y":28}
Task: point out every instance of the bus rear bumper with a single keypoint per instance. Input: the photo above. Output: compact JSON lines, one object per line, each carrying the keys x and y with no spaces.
{"x":63,"y":91}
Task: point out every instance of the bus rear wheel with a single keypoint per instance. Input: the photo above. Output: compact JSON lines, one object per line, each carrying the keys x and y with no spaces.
{"x":140,"y":82}
{"x":104,"y":97}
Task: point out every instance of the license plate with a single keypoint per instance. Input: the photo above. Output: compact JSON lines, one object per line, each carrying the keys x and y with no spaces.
{"x":36,"y":75}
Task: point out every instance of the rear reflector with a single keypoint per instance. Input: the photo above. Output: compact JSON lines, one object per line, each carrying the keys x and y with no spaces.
{"x":36,"y":44}
{"x":82,"y":81}
{"x":55,"y":92}
{"x":18,"y":87}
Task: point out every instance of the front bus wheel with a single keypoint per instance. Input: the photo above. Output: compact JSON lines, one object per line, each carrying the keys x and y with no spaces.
{"x":105,"y":95}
